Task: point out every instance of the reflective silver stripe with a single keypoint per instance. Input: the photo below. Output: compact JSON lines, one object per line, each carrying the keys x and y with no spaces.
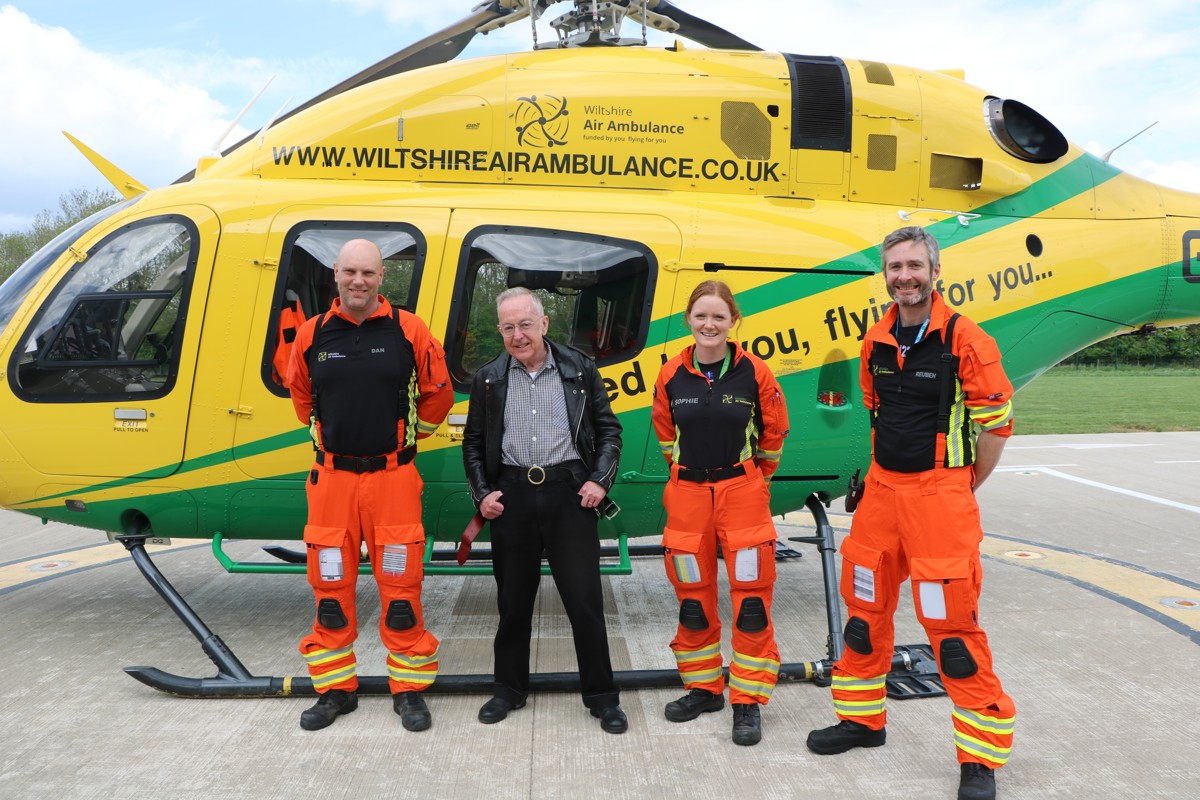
{"x":857,"y":708}
{"x":315,"y":657}
{"x":985,"y":723}
{"x":756,"y":688}
{"x":859,"y":684}
{"x":750,"y":663}
{"x":685,"y":656}
{"x":413,"y":661}
{"x":989,"y":417}
{"x":969,"y":744}
{"x":330,"y":678}
{"x":954,"y":435}
{"x":700,"y":675}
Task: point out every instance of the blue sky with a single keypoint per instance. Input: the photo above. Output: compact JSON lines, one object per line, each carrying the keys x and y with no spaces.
{"x":152,"y":85}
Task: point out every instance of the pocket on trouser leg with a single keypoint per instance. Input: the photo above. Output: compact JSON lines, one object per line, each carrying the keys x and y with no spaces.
{"x":331,"y":562}
{"x":398,"y":555}
{"x":681,"y":559}
{"x":753,"y":567}
{"x":860,"y":575}
{"x":946,"y":593}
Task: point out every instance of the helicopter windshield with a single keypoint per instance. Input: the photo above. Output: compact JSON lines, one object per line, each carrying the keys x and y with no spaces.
{"x":14,"y":290}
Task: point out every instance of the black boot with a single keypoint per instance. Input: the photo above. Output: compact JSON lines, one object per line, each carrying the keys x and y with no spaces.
{"x":329,"y":707}
{"x":747,"y":724}
{"x":976,"y":782}
{"x":844,"y":736}
{"x":414,"y":714}
{"x":692,"y":705}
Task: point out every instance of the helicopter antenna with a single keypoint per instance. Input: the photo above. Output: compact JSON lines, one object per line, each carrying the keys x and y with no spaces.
{"x":262,"y":131}
{"x":216,"y":148}
{"x":1108,"y":155}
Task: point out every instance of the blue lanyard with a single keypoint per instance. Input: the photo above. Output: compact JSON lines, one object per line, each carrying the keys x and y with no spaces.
{"x":920,"y":331}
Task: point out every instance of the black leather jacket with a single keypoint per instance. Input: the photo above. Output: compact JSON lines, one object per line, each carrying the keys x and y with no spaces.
{"x":596,"y":429}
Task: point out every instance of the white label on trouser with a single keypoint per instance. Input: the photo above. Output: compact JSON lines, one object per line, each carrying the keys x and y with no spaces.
{"x":864,"y":584}
{"x":330,"y":560}
{"x":746,"y":566}
{"x":395,"y":559}
{"x":933,"y":600}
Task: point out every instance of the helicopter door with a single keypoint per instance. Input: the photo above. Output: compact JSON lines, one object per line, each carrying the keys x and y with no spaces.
{"x":269,"y":442}
{"x":105,"y":368}
{"x":596,"y":275}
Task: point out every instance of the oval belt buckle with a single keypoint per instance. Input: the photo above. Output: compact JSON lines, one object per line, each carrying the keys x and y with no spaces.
{"x":529,"y":475}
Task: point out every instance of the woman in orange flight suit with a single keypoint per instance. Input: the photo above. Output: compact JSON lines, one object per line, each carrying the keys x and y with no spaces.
{"x":721,"y":420}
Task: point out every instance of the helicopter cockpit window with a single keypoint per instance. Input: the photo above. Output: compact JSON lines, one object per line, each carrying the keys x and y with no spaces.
{"x":113,"y":326}
{"x":596,"y":291}
{"x":306,"y":286}
{"x":16,"y":287}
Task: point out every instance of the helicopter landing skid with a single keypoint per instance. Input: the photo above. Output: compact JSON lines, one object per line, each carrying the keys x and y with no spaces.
{"x":913,"y":669}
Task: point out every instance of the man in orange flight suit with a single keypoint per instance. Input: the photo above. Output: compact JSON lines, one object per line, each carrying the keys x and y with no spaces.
{"x":938,"y":428}
{"x":370,"y":380}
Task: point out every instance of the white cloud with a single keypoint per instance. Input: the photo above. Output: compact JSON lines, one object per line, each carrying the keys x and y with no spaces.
{"x":158,"y":120}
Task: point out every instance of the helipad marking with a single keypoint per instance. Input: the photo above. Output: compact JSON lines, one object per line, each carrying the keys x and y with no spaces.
{"x":1047,"y":470}
{"x":1143,"y":591}
{"x":15,"y":574}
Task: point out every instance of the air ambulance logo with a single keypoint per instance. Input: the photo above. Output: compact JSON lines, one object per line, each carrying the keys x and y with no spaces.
{"x":542,"y":121}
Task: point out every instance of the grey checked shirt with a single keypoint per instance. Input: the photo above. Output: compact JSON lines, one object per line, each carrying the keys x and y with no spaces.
{"x":536,"y":428}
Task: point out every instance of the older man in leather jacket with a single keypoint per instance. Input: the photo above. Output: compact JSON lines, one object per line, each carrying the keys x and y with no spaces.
{"x":541,"y":448}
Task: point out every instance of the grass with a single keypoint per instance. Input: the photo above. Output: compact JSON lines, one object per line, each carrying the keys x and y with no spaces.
{"x":1087,"y":400}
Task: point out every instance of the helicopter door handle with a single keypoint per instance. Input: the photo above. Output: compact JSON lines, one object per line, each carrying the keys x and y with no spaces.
{"x":456,"y":423}
{"x":242,"y":411}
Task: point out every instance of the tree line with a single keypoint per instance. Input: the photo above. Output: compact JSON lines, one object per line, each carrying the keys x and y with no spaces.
{"x":1168,"y":347}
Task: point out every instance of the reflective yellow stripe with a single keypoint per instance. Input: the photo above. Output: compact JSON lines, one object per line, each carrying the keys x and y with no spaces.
{"x":684,"y":656}
{"x":757,"y":688}
{"x":773,"y":455}
{"x":866,"y":708}
{"x":316,"y":657}
{"x":985,"y":723}
{"x":411,"y":676}
{"x":426,"y":427}
{"x":751,"y":663}
{"x":975,"y":747}
{"x":955,"y":457}
{"x":324,"y":679}
{"x":989,"y":417}
{"x":413,"y":661}
{"x":846,"y":684}
{"x":700,"y":675}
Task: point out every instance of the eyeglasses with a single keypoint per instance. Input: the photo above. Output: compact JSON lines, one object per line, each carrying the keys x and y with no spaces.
{"x":508,"y":330}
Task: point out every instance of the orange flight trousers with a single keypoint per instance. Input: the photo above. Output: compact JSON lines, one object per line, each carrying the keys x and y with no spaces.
{"x":736,"y":514}
{"x":924,"y":525}
{"x":383,"y":509}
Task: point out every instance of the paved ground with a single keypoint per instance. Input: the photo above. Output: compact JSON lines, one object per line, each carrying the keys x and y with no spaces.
{"x":1091,"y":600}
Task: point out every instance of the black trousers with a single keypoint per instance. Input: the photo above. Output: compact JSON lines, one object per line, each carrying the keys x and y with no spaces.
{"x":548,"y":518}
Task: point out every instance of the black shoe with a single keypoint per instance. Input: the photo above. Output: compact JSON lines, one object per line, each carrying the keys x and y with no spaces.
{"x":846,"y":735}
{"x":692,"y":705}
{"x":976,"y":782}
{"x":329,"y":707}
{"x":497,"y":709}
{"x":747,"y":724}
{"x":612,"y":719}
{"x":414,"y":714}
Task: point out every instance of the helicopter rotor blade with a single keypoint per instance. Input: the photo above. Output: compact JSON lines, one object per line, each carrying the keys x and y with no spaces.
{"x":437,"y":48}
{"x":699,"y":30}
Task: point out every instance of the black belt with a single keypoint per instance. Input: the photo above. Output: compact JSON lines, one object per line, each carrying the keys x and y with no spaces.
{"x":536,"y":475}
{"x":711,"y":475}
{"x":368,"y":463}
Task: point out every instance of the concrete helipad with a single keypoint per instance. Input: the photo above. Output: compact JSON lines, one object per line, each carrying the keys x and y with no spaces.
{"x":1091,"y":601}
